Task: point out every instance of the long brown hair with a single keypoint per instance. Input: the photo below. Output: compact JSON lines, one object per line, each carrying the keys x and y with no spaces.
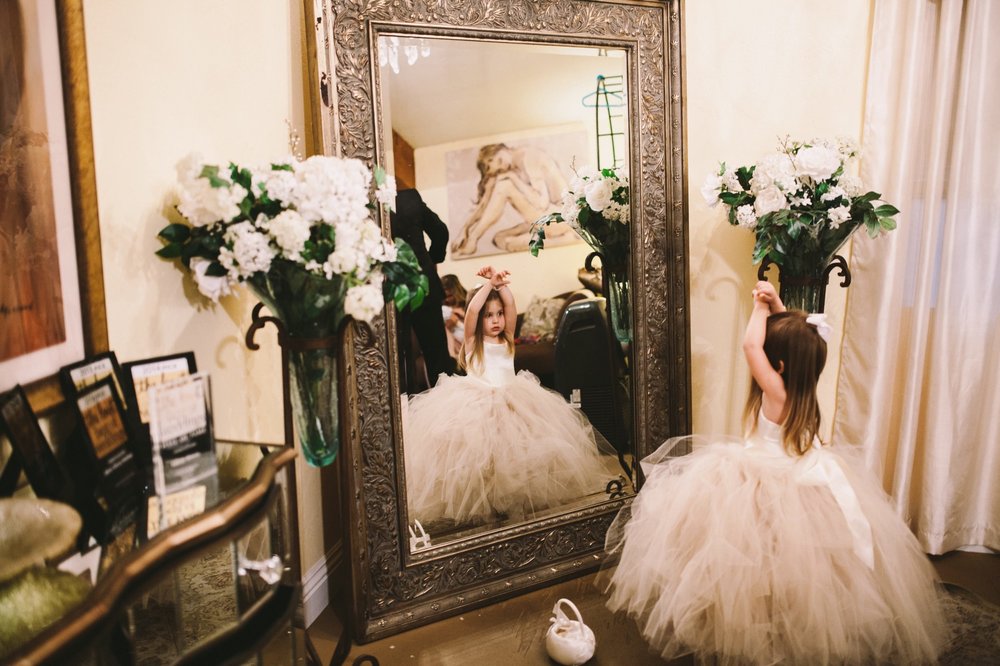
{"x":797,"y":345}
{"x":474,"y":356}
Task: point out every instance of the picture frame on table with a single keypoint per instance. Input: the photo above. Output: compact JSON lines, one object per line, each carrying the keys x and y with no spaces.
{"x":49,"y":322}
{"x":113,"y":475}
{"x":76,"y":377}
{"x":137,"y":378}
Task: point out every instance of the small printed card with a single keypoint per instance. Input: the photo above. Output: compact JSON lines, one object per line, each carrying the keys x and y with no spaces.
{"x":180,"y":427}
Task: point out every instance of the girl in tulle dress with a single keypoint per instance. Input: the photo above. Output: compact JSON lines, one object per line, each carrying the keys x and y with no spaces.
{"x":775,"y":548}
{"x":495,"y":443}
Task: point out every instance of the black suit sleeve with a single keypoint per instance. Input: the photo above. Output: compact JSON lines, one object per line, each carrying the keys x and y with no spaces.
{"x":437,"y":231}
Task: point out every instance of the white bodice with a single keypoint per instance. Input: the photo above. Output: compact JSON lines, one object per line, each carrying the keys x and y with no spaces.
{"x":497,"y":368}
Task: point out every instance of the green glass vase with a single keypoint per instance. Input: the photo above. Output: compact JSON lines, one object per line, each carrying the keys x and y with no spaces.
{"x":311,"y":310}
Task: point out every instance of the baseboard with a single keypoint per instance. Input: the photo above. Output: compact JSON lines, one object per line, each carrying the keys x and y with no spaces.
{"x":978,"y":549}
{"x":315,"y":584}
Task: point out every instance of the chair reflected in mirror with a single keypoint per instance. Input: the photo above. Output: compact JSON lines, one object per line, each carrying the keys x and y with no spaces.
{"x":592,"y":373}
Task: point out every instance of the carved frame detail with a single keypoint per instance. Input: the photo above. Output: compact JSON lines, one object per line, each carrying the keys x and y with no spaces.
{"x":393,"y":589}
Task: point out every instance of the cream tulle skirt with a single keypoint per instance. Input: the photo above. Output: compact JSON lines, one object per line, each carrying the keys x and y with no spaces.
{"x":475,"y":451}
{"x":729,"y":556}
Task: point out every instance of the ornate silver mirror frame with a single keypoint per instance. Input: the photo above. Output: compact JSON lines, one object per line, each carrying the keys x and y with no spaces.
{"x":394,"y":590}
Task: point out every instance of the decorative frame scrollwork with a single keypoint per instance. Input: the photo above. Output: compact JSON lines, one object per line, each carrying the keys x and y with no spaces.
{"x":393,"y":589}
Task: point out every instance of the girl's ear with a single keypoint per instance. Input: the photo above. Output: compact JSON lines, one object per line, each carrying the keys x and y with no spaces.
{"x":781,"y":367}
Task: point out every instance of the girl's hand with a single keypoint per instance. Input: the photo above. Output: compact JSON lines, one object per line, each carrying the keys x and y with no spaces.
{"x":500,"y":279}
{"x":486,"y":272}
{"x":765,"y":294}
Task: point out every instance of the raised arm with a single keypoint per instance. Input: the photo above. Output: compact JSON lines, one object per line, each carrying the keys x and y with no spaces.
{"x":472,"y":312}
{"x":507,"y":298}
{"x":765,"y":302}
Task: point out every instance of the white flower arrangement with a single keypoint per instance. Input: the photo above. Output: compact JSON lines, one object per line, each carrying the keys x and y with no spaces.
{"x":800,"y":202}
{"x":312,"y":216}
{"x":596,"y":206}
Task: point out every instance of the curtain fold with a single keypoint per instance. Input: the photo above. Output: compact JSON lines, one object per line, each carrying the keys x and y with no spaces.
{"x":919,"y":384}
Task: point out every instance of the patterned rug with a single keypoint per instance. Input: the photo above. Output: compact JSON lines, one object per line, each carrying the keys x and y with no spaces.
{"x":975,"y":629}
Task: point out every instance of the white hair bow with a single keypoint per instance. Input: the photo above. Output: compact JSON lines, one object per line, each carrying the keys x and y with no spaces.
{"x":818,"y":319}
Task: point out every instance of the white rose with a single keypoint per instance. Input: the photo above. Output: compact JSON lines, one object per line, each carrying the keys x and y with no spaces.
{"x":711,"y":189}
{"x":745,"y":217}
{"x":774,"y":169}
{"x":598,"y":194}
{"x":363,"y":302}
{"x":769,"y":200}
{"x":817,"y":162}
{"x":210,"y":286}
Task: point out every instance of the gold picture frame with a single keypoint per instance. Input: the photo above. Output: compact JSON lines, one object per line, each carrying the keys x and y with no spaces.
{"x":46,"y":393}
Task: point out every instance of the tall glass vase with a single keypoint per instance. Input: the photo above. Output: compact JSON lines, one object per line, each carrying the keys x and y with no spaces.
{"x":803,"y":292}
{"x":619,"y":304}
{"x":311,"y":309}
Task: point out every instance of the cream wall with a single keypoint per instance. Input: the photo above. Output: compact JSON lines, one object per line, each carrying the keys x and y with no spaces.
{"x":756,"y":71}
{"x":219,"y":78}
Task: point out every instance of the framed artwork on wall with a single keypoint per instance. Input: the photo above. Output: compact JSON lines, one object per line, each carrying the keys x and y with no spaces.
{"x":497,"y":189}
{"x":51,"y":283}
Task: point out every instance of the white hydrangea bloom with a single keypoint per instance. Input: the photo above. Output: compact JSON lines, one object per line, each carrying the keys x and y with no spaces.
{"x":363,"y":302}
{"x":201,"y":203}
{"x":838,"y":216}
{"x":745,"y":217}
{"x":210,"y":286}
{"x":290,"y":232}
{"x":851,"y":185}
{"x":280,"y":185}
{"x":331,"y":190}
{"x":251,"y":250}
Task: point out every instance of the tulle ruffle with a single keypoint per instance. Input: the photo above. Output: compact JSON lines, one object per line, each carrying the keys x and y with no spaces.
{"x":728,"y":554}
{"x":476,"y":451}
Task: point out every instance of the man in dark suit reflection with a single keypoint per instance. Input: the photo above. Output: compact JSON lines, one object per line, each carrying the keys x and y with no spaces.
{"x":411,"y":221}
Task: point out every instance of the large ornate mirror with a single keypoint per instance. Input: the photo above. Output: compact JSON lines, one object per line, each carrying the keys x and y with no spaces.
{"x":489,"y":111}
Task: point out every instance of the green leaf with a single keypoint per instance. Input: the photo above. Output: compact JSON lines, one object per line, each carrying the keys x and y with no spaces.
{"x":175,"y":233}
{"x":170,"y":251}
{"x":211,"y":172}
{"x":886,"y":210}
{"x":215,"y":269}
{"x":731,"y":198}
{"x":281,"y":167}
{"x":379,"y":174}
{"x":887,"y":223}
{"x":744,"y":175}
{"x":401,"y":296}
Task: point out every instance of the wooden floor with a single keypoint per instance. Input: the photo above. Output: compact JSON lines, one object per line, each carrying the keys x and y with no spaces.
{"x":512,"y":632}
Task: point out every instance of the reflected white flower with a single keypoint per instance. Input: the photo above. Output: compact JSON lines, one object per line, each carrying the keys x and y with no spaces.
{"x":838,"y":216}
{"x":851,"y":185}
{"x":598,"y":194}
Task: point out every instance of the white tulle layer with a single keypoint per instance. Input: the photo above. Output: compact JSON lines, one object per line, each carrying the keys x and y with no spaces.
{"x":729,"y":556}
{"x":473,"y":450}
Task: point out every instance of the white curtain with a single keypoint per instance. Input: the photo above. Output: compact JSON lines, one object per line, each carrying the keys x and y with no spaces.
{"x":920,"y":369}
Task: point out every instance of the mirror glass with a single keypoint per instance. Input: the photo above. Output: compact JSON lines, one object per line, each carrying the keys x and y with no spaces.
{"x":490,"y":135}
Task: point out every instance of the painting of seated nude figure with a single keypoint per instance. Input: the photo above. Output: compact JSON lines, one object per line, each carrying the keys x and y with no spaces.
{"x":518,"y":182}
